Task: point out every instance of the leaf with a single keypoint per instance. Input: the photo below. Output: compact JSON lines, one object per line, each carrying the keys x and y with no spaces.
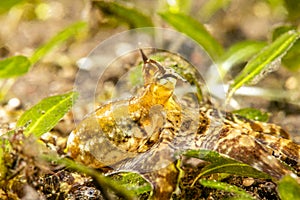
{"x":291,"y":59}
{"x":196,"y":31}
{"x":264,"y":62}
{"x":239,"y":53}
{"x":178,"y":5}
{"x":133,"y":182}
{"x":253,"y":114}
{"x":103,"y":181}
{"x":14,"y":66}
{"x":227,"y":187}
{"x":43,"y":116}
{"x":222,"y":164}
{"x":132,"y":16}
{"x":61,"y":37}
{"x":289,"y":188}
{"x":7,"y":4}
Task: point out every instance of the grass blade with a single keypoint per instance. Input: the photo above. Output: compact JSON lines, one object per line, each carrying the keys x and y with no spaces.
{"x":61,"y":37}
{"x":226,"y":187}
{"x":102,"y":180}
{"x":252,"y":113}
{"x":43,"y":116}
{"x":289,"y":188}
{"x":133,"y":182}
{"x":7,"y":4}
{"x":239,"y":53}
{"x":14,"y":66}
{"x":132,"y":16}
{"x":222,"y":164}
{"x":264,"y":62}
{"x":196,"y":31}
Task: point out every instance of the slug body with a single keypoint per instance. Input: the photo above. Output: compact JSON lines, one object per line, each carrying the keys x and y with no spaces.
{"x":146,"y":132}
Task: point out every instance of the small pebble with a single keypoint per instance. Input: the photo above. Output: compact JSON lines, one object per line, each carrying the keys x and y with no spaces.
{"x":248,"y":182}
{"x":13,"y":104}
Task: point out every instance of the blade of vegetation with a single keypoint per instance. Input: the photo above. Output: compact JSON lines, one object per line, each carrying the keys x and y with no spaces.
{"x":178,"y":5}
{"x":291,"y":59}
{"x":289,"y":188}
{"x":43,"y":116}
{"x":132,"y":16}
{"x":222,"y":164}
{"x":102,"y":180}
{"x":254,"y":114}
{"x":61,"y":37}
{"x":7,"y":4}
{"x":14,"y":66}
{"x":264,"y":62}
{"x":133,"y":182}
{"x":226,"y":187}
{"x":196,"y":31}
{"x":239,"y":53}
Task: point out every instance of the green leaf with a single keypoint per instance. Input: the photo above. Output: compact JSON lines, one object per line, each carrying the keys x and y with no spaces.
{"x":227,"y":187}
{"x":196,"y":31}
{"x":239,"y":53}
{"x":14,"y":66}
{"x":289,"y":188}
{"x":278,"y":31}
{"x":5,"y":5}
{"x":265,"y":61}
{"x":222,"y":164}
{"x":253,"y":114}
{"x":183,"y":6}
{"x":291,"y":59}
{"x":61,"y":37}
{"x":130,"y":15}
{"x":43,"y":116}
{"x":103,"y":181}
{"x":133,"y":182}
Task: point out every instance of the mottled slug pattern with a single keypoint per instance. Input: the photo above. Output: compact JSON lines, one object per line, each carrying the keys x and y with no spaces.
{"x":146,"y":132}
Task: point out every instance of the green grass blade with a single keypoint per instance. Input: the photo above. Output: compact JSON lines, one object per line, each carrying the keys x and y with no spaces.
{"x":226,"y":187}
{"x":265,"y":61}
{"x":130,"y":15}
{"x":222,"y":164}
{"x":133,"y":182}
{"x":14,"y":66}
{"x":239,"y":53}
{"x":102,"y":180}
{"x":196,"y":31}
{"x":289,"y":188}
{"x":291,"y":59}
{"x":252,"y":113}
{"x":5,"y":5}
{"x":61,"y":37}
{"x":43,"y":116}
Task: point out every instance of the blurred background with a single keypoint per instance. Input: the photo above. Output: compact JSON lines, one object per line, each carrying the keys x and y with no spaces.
{"x":28,"y":24}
